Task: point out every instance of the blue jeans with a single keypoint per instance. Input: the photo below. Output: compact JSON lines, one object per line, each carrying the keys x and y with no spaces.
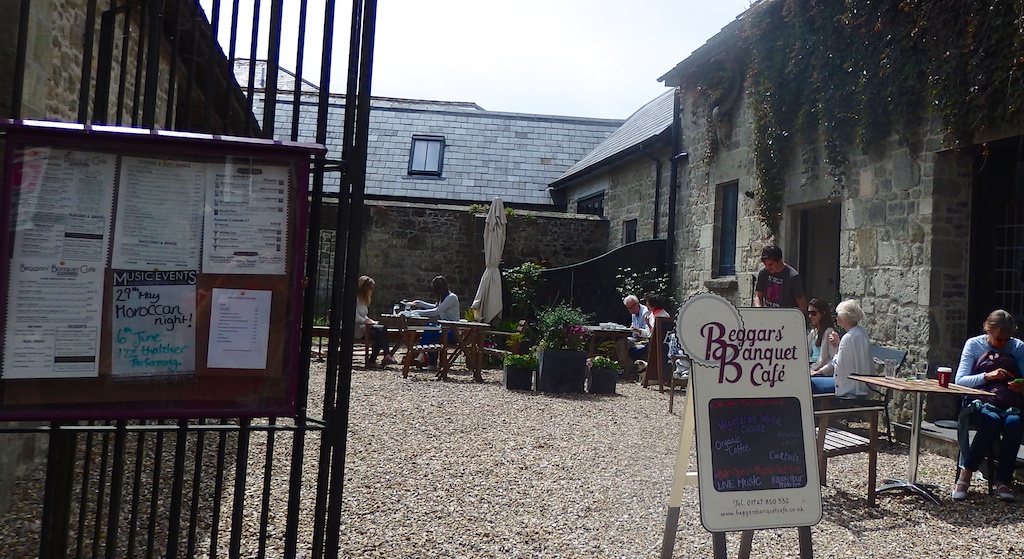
{"x":823,"y":385}
{"x":991,"y":423}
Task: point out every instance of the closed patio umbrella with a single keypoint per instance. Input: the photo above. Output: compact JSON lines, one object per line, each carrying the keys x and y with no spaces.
{"x":487,"y":303}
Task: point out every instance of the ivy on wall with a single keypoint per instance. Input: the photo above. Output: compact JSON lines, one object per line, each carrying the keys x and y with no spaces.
{"x":852,"y":73}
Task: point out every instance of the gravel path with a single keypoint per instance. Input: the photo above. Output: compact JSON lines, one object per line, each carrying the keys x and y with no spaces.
{"x":457,"y":469}
{"x":463,"y":470}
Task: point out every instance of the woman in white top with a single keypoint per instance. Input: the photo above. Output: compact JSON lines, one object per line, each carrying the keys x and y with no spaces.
{"x":821,"y":351}
{"x":853,"y":355}
{"x":378,"y":335}
{"x":446,"y":308}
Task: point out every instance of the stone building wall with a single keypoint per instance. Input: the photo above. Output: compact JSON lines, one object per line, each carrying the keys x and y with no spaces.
{"x":707,"y":168}
{"x":406,"y":244}
{"x":54,"y":62}
{"x":630,"y":195}
{"x":904,"y":232}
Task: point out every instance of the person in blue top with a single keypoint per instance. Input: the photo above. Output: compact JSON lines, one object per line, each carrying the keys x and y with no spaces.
{"x":991,"y":362}
{"x":446,"y":308}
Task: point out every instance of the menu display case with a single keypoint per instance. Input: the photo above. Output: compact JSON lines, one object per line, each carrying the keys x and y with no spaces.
{"x":150,"y":274}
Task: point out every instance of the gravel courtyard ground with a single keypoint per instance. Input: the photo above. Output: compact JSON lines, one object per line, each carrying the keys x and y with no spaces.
{"x":458,"y":469}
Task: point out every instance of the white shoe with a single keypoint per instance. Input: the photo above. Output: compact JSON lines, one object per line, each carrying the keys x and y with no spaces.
{"x":960,"y":490}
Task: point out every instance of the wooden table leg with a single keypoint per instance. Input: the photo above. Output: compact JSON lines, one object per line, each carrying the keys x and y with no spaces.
{"x":409,"y":336}
{"x":477,"y":341}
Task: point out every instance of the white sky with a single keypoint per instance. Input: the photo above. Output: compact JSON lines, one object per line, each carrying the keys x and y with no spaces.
{"x":592,"y":58}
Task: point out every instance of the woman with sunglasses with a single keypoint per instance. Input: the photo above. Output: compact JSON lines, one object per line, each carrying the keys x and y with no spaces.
{"x":821,"y":351}
{"x":992,"y":362}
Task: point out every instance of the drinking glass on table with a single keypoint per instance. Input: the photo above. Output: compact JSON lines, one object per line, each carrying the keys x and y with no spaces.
{"x":922,"y":373}
{"x":890,"y":368}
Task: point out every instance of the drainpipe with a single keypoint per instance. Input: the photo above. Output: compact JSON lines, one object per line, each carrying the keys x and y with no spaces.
{"x":678,"y":156}
{"x":657,"y":189}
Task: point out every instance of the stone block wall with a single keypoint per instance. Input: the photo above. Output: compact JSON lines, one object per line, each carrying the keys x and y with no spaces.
{"x":54,"y":63}
{"x":904,"y":231}
{"x":630,"y":195}
{"x":406,"y":244}
{"x":707,"y":168}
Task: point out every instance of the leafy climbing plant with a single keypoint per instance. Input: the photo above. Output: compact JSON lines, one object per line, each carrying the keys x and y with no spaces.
{"x":831,"y":76}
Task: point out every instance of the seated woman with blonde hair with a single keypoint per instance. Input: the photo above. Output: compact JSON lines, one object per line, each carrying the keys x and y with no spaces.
{"x":378,"y":335}
{"x":853,"y":355}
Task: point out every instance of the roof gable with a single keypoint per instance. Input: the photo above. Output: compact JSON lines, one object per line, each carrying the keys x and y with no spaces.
{"x":649,"y":122}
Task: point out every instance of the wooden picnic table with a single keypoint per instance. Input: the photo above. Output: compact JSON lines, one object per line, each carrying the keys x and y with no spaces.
{"x":469,"y":342}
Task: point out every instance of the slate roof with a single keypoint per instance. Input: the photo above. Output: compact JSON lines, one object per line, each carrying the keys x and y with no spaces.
{"x":651,"y":123}
{"x":487,"y":153}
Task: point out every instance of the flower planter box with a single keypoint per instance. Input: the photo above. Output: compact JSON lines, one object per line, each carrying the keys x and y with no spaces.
{"x":602,"y":381}
{"x":562,"y":371}
{"x":518,"y":378}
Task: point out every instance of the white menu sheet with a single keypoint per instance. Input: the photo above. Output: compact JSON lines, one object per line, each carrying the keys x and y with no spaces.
{"x":63,"y":206}
{"x":239,"y":329}
{"x":246,"y":219}
{"x":53,"y":321}
{"x":64,"y":200}
{"x":159,"y":219}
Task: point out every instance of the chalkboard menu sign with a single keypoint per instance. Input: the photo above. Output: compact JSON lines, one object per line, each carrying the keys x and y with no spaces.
{"x":758,"y":444}
{"x":756,"y":463}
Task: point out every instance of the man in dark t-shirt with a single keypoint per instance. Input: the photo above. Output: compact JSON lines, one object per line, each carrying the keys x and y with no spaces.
{"x":778,"y":284}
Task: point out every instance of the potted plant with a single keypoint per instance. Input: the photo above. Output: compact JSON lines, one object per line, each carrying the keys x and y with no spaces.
{"x":562,"y":360}
{"x":519,"y":370}
{"x":603,"y":373}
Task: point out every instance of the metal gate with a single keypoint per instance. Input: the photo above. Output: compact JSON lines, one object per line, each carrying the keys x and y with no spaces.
{"x":248,"y":486}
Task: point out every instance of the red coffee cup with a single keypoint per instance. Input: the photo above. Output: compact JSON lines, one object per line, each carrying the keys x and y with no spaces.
{"x":943,"y":374}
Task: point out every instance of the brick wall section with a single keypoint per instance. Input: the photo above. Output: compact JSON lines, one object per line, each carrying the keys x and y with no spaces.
{"x":407,"y":244}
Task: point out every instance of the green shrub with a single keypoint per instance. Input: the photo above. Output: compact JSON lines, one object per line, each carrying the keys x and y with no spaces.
{"x":521,"y":360}
{"x":602,"y":362}
{"x":563,"y":327}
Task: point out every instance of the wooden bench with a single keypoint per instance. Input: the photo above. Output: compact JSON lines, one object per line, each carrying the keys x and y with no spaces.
{"x":322,"y":333}
{"x":832,"y":441}
{"x":512,"y":340}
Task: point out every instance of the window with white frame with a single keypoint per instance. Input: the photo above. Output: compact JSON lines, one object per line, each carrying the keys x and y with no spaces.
{"x":426,"y":157}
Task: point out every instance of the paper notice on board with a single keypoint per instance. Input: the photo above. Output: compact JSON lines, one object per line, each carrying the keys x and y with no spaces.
{"x":239,"y":329}
{"x":61,"y":220}
{"x":246,"y":219}
{"x":53,"y":320}
{"x":152,"y":324}
{"x":64,"y":200}
{"x":159,"y":214}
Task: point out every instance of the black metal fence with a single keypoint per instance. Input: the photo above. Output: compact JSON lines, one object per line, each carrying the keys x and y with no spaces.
{"x":245,"y":487}
{"x":592,"y":285}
